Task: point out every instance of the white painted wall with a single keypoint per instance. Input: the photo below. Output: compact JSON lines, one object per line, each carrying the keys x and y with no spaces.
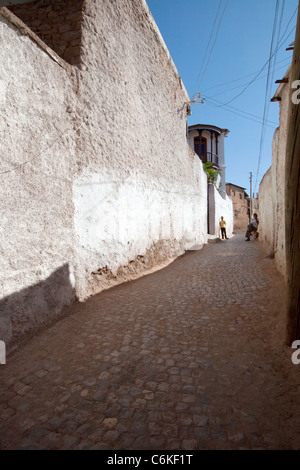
{"x":119,"y":219}
{"x":218,"y":206}
{"x":211,"y":147}
{"x":223,"y":208}
{"x":36,"y":236}
{"x":134,"y":158}
{"x":272,"y":188}
{"x":222,"y":165}
{"x":98,"y":183}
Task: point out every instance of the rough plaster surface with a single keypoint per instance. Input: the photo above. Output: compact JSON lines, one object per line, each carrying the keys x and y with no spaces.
{"x":98,"y":182}
{"x":219,"y":206}
{"x":266,"y":216}
{"x":36,"y":189}
{"x":240,"y":207}
{"x":133,"y":156}
{"x":126,"y":221}
{"x":223,"y":207}
{"x":271,"y":192}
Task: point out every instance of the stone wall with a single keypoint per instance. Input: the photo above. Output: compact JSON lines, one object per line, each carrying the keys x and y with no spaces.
{"x":36,"y":239}
{"x":57,"y":23}
{"x":272,"y":188}
{"x":134,"y":164}
{"x":267,"y":221}
{"x":98,"y":183}
{"x":240,"y":207}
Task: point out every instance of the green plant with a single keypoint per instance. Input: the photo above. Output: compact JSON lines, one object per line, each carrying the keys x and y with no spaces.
{"x":211,"y":172}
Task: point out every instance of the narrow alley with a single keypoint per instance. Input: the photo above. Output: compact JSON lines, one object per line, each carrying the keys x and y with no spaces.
{"x":189,"y":357}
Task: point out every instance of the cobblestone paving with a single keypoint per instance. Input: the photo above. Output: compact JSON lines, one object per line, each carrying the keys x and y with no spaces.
{"x":190,"y":357}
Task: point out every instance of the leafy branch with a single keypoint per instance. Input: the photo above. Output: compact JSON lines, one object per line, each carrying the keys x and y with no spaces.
{"x":211,"y":172}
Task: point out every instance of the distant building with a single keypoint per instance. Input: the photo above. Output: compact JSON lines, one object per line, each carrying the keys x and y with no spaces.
{"x":241,"y":206}
{"x":207,"y":141}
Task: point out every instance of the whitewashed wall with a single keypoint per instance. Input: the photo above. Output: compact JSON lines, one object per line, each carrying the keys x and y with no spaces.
{"x":119,"y":220}
{"x":37,"y":150}
{"x":271,"y":189}
{"x":219,"y":206}
{"x":135,"y":163}
{"x":223,"y":208}
{"x":98,"y":183}
{"x":211,"y":148}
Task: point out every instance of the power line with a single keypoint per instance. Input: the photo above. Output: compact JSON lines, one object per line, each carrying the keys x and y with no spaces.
{"x":240,"y":110}
{"x":260,"y":78}
{"x":241,"y":78}
{"x":268,"y":83}
{"x":255,"y":78}
{"x":268,"y":61}
{"x":204,"y":58}
{"x":279,"y":28}
{"x":241,"y":115}
{"x":215,"y":40}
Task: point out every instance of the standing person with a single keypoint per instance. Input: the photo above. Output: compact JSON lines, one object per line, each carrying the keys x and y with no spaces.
{"x":223,"y":228}
{"x":252,"y":227}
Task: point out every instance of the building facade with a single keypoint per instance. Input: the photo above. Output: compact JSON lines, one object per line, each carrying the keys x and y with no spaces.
{"x":207,"y":142}
{"x":241,"y":206}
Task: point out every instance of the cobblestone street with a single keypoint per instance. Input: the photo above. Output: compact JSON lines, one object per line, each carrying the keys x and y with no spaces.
{"x":189,"y":357}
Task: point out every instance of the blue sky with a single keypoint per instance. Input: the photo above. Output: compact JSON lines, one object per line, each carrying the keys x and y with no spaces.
{"x":214,"y":43}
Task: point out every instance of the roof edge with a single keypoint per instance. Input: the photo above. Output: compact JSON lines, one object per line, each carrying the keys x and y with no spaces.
{"x":209,"y":127}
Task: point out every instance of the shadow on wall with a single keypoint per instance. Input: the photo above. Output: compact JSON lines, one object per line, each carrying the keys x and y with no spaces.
{"x":57,"y":23}
{"x":24,"y":312}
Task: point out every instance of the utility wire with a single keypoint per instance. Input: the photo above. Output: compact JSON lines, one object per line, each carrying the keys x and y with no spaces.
{"x":241,"y":115}
{"x":268,"y":61}
{"x":269,"y":82}
{"x":255,"y":78}
{"x":208,"y":44}
{"x":240,"y":86}
{"x":212,"y":48}
{"x":239,"y":110}
{"x":279,"y":28}
{"x":241,"y":78}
